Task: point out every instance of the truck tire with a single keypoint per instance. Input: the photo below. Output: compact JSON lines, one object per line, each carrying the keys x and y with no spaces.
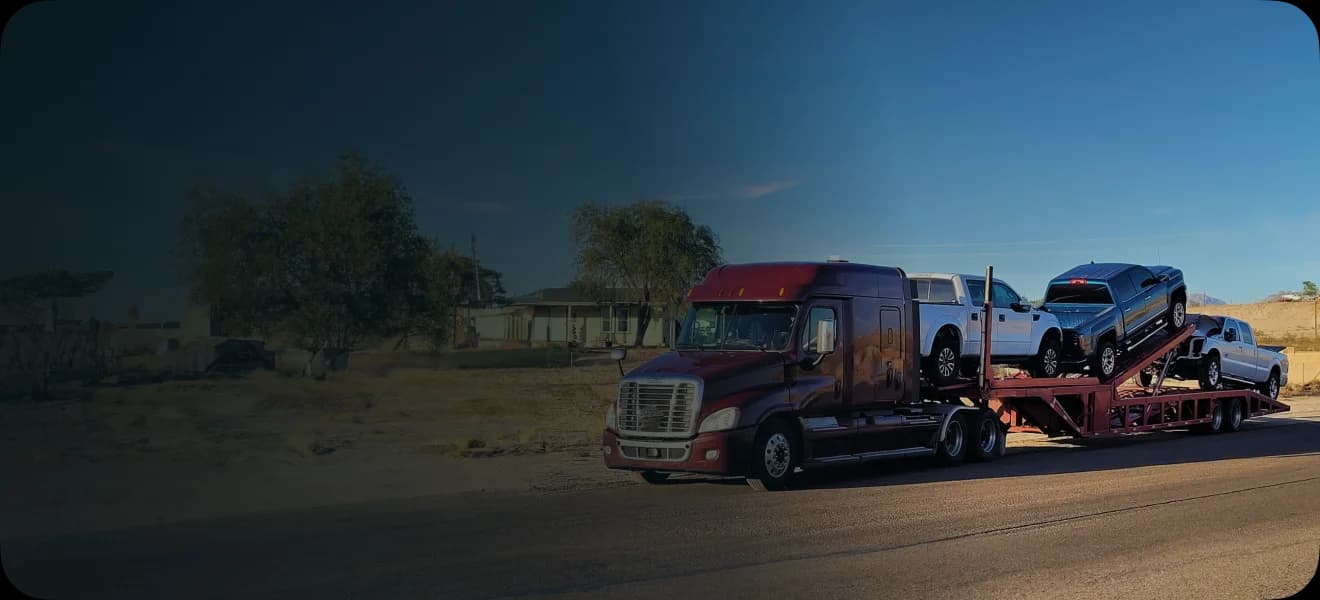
{"x":1233,"y":416}
{"x":988,"y":440}
{"x":775,"y":455}
{"x":1271,"y":387}
{"x":1105,"y":362}
{"x":1211,"y":378}
{"x":953,"y":448}
{"x":1177,"y":316}
{"x":944,"y":362}
{"x":651,"y":477}
{"x":1216,"y":423}
{"x":1046,"y":363}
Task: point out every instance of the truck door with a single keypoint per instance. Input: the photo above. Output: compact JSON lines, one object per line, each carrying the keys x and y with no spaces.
{"x":826,"y":392}
{"x":1127,"y":298}
{"x":1152,"y":299}
{"x":1231,"y":362}
{"x":1010,"y":327}
{"x":1256,"y":372}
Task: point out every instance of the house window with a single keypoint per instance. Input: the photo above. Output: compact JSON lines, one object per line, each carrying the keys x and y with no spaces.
{"x":621,"y":320}
{"x":605,"y":319}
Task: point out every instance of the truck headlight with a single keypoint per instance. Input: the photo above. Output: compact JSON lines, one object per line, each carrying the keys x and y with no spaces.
{"x":720,"y":420}
{"x":611,"y":418}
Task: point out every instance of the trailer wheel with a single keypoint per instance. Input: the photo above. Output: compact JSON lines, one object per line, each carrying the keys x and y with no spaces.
{"x":989,"y":438}
{"x":1105,"y":362}
{"x":651,"y":477}
{"x":953,"y":448}
{"x":1233,"y":415}
{"x":1216,"y":423}
{"x":1210,"y":373}
{"x":775,"y":456}
{"x":1046,"y":363}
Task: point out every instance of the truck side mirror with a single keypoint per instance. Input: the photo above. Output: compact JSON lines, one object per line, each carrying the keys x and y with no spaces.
{"x":617,"y":355}
{"x":1230,"y":335}
{"x":824,"y":337}
{"x":1020,"y":307}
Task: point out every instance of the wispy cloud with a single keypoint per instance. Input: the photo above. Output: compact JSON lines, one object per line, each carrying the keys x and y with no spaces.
{"x":750,"y":191}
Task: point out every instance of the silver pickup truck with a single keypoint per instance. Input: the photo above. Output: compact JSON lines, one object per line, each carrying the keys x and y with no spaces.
{"x":1223,"y":352}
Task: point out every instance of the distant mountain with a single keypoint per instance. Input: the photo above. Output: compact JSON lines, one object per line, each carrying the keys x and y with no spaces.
{"x":1201,"y":299}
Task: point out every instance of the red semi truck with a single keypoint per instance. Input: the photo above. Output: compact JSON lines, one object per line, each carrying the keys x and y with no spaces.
{"x":787,"y":366}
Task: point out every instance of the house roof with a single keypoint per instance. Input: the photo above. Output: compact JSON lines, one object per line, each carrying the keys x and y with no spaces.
{"x":570,"y":295}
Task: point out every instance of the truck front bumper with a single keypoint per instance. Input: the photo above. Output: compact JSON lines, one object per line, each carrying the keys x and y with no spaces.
{"x":714,"y":453}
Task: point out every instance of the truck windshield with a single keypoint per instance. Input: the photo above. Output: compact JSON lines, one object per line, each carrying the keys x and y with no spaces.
{"x":933,"y":290}
{"x":738,"y":326}
{"x":1078,"y":293}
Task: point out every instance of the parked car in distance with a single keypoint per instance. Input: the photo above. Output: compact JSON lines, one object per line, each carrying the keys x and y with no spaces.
{"x":1109,"y":309}
{"x":950,"y":306}
{"x":1223,"y":352}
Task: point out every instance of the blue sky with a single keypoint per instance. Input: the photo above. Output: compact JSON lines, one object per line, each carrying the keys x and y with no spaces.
{"x":933,"y":136}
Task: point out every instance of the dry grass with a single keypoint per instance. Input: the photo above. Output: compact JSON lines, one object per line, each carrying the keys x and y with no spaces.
{"x":381,"y":404}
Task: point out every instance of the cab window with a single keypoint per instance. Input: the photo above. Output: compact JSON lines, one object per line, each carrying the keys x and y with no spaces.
{"x":818,"y":314}
{"x":1126,"y":284}
{"x":1248,"y":337}
{"x":1001,"y":296}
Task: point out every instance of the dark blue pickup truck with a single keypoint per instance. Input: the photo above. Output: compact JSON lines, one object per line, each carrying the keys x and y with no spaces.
{"x":1109,"y":309}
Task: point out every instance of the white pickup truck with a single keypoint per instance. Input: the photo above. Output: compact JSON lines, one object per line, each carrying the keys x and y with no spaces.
{"x":1223,"y":353}
{"x":1022,"y":336}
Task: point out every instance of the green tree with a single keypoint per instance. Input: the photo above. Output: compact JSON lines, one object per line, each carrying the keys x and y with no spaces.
{"x":330,"y":263}
{"x":1309,"y":289}
{"x":652,"y":249}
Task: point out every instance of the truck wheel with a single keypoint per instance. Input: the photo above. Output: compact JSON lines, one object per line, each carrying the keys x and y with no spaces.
{"x":1177,"y":315}
{"x":1047,"y":360}
{"x":1271,"y":387}
{"x":1105,"y":362}
{"x":651,"y":477}
{"x":988,"y":440}
{"x":774,"y":456}
{"x":1210,"y":373}
{"x":1233,"y":415}
{"x":1216,"y":423}
{"x":944,"y":361}
{"x":953,"y":448}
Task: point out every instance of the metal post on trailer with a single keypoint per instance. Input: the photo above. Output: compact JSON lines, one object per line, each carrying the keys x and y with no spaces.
{"x":1164,"y":372}
{"x":986,"y":313}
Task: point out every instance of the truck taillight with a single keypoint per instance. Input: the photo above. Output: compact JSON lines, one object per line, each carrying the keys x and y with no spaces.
{"x":1076,"y":282}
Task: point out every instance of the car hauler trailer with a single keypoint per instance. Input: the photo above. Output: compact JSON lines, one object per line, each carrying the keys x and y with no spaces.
{"x":783,"y":366}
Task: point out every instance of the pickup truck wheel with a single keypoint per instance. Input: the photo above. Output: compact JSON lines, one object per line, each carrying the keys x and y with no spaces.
{"x":1271,"y":386}
{"x":1177,"y":315}
{"x":1047,"y":360}
{"x":944,"y":361}
{"x":1210,"y":373}
{"x":988,"y":441}
{"x":953,"y":448}
{"x":651,"y":477}
{"x":775,"y":456}
{"x":1233,"y":415}
{"x":1105,"y":362}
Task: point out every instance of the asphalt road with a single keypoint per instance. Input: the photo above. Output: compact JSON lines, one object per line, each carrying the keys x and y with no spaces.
{"x":1172,"y":515}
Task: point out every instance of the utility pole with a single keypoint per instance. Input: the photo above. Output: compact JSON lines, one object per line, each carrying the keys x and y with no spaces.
{"x":476,"y":270}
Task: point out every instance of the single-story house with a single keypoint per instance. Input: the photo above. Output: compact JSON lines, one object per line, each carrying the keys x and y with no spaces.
{"x":563,"y":315}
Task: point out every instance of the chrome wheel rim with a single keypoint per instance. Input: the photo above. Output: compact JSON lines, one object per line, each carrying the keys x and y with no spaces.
{"x":1212,"y":374}
{"x":1051,"y":361}
{"x":946,"y":362}
{"x":989,"y":436}
{"x":1274,"y":388}
{"x":953,"y":438}
{"x":1179,"y":315}
{"x":1107,"y":360}
{"x":777,"y":455}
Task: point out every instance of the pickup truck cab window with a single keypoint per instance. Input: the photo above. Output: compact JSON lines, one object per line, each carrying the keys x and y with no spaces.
{"x":1001,"y":296}
{"x":1231,"y":330}
{"x":1126,"y":285}
{"x":1248,"y":337}
{"x":1138,"y":276}
{"x":976,"y":288}
{"x":816,"y":315}
{"x":934,"y":290}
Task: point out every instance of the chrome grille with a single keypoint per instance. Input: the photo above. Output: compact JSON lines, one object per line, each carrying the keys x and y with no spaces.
{"x":658,"y":408}
{"x":653,"y":452}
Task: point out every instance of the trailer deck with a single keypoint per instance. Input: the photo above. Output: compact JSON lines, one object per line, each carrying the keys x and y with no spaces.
{"x":1088,"y":407}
